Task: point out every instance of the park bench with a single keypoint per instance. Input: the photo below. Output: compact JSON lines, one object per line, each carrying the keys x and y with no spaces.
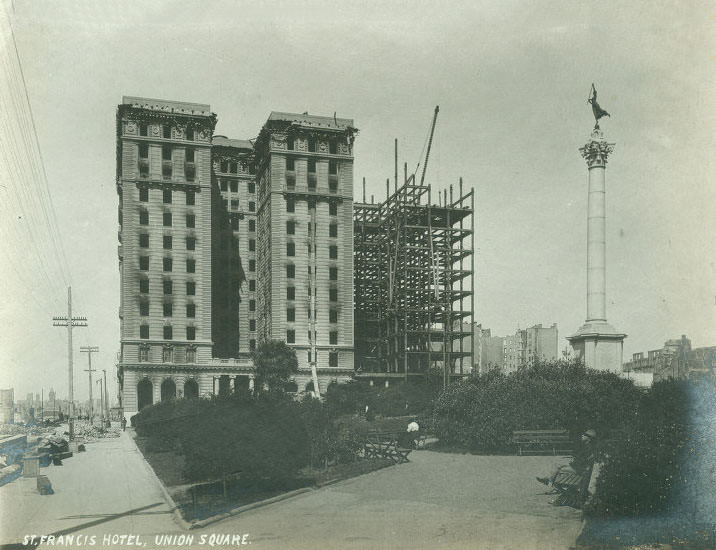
{"x":573,"y":488}
{"x":541,"y":441}
{"x":385,"y":445}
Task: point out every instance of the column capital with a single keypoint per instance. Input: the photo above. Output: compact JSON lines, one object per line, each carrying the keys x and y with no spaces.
{"x":597,"y":149}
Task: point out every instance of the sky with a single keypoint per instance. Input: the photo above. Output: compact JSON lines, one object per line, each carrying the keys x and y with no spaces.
{"x":511,"y":80}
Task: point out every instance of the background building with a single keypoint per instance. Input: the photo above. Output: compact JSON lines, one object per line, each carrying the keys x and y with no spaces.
{"x":677,"y":359}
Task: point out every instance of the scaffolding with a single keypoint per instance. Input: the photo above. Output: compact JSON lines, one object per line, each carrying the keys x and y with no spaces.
{"x":414,"y":284}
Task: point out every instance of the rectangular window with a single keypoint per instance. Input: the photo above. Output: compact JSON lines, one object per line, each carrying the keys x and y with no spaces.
{"x":234,"y":186}
{"x":290,"y":143}
{"x":252,"y":305}
{"x":252,"y":285}
{"x":190,"y":288}
{"x":333,"y":252}
{"x":190,"y":155}
{"x":333,"y":316}
{"x":333,"y":294}
{"x":190,"y":221}
{"x":311,"y":166}
{"x":190,"y":134}
{"x":290,"y":292}
{"x":144,"y":194}
{"x":290,"y":314}
{"x":333,"y":209}
{"x":190,"y":265}
{"x":191,"y":310}
{"x":290,"y":227}
{"x":167,"y":219}
{"x":144,"y":263}
{"x":252,"y":206}
{"x":333,"y":273}
{"x":223,"y":185}
{"x":191,"y":333}
{"x":166,"y":131}
{"x":167,"y":196}
{"x":167,"y":242}
{"x":167,"y":332}
{"x":311,"y":145}
{"x":290,"y":249}
{"x":189,"y":197}
{"x":290,"y":164}
{"x":333,"y":230}
{"x":252,"y":245}
{"x":333,"y":337}
{"x":333,"y":359}
{"x":290,"y":336}
{"x":166,"y":153}
{"x":226,"y":203}
{"x":290,"y":271}
{"x":333,"y":147}
{"x":224,"y":165}
{"x":252,"y":345}
{"x":252,"y":325}
{"x":252,"y":265}
{"x":143,"y":309}
{"x":333,"y":186}
{"x":252,"y":225}
{"x":167,"y":262}
{"x":167,"y":309}
{"x":234,"y":223}
{"x":167,"y":284}
{"x":143,"y":151}
{"x":144,"y":240}
{"x":234,"y":204}
{"x":233,"y":168}
{"x":144,"y":285}
{"x":252,"y":187}
{"x":290,"y":205}
{"x":144,"y":217}
{"x":332,"y":167}
{"x":142,"y":129}
{"x":309,"y":357}
{"x":144,"y":331}
{"x":190,"y":243}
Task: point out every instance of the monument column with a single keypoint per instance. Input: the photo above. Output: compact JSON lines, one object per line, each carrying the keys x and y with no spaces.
{"x":597,"y":342}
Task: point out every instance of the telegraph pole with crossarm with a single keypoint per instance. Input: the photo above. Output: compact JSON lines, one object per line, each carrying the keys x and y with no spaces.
{"x":89,"y":350}
{"x":70,"y":322}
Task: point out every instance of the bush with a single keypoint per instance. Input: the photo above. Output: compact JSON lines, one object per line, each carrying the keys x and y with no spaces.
{"x":399,"y":399}
{"x":481,"y":412}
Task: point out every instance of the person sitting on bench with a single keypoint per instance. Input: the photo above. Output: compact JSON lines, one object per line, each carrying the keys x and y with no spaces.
{"x":580,"y":465}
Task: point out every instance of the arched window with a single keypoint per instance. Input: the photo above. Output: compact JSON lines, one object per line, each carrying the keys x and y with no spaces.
{"x":191,"y":389}
{"x":169,"y":389}
{"x":144,"y":394}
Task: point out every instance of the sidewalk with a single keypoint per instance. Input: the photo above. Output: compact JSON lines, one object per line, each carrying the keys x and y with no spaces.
{"x":107,"y":489}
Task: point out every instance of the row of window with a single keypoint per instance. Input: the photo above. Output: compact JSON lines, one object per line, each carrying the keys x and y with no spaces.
{"x":291,"y":294}
{"x":167,"y":241}
{"x":167,"y":196}
{"x":291,"y":337}
{"x":291,"y":315}
{"x":332,"y":207}
{"x":232,"y":167}
{"x":313,"y":145}
{"x":291,"y":251}
{"x":168,"y":309}
{"x":167,"y":265}
{"x":233,"y":185}
{"x":167,"y":284}
{"x":291,"y":272}
{"x":332,"y":166}
{"x":167,"y":151}
{"x":235,"y":205}
{"x":168,"y":332}
{"x":166,"y":219}
{"x":167,"y":354}
{"x":166,"y":131}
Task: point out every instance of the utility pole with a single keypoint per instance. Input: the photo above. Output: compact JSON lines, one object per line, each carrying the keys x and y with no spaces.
{"x":70,"y":322}
{"x":101,"y":400}
{"x":106,"y":395}
{"x":89,"y":350}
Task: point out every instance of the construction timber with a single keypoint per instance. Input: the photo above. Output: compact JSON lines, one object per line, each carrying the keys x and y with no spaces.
{"x":414,"y":284}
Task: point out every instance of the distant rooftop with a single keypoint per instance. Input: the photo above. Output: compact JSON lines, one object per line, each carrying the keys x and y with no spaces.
{"x":181,"y":107}
{"x":313,"y":120}
{"x":223,"y":141}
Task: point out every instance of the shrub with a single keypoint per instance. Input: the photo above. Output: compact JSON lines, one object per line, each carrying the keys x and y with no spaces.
{"x":481,"y":412}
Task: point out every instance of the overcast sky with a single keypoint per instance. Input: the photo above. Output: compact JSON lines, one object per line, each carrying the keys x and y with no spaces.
{"x":511,"y":79}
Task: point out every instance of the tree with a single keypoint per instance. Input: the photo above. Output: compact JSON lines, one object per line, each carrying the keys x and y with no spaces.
{"x":275,"y":363}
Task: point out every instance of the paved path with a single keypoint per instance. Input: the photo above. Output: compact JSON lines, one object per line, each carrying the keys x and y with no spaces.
{"x":107,"y":489}
{"x":436,"y":501}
